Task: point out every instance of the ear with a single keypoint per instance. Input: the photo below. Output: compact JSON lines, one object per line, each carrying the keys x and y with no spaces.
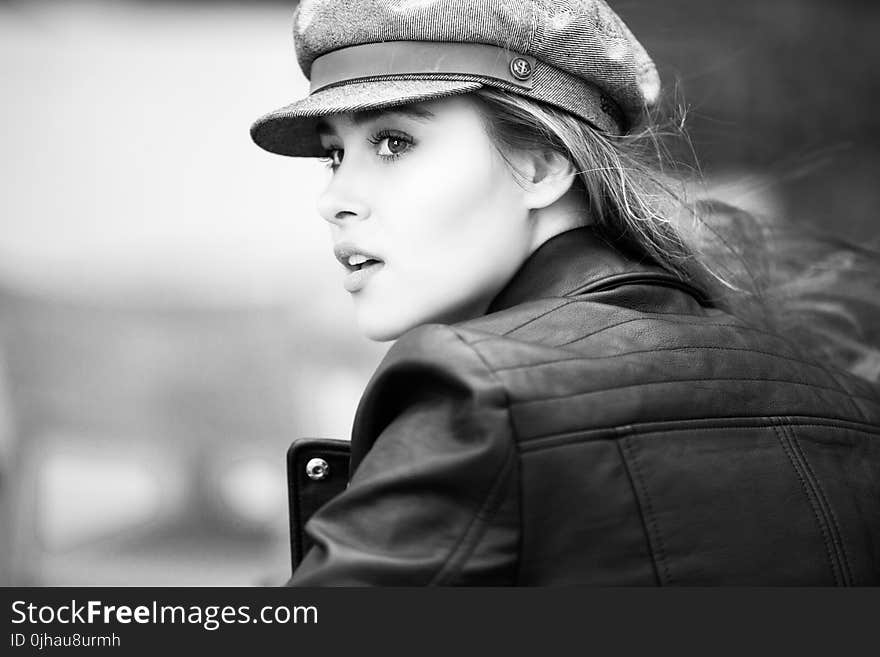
{"x":548,"y":176}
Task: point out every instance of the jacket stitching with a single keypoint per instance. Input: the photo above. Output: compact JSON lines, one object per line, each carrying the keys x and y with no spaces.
{"x":741,"y":327}
{"x":702,"y":315}
{"x":658,"y":551}
{"x":647,"y":428}
{"x":468,"y":542}
{"x":836,"y":534}
{"x":621,"y":323}
{"x":813,"y":502}
{"x":661,"y":315}
{"x":567,"y":302}
{"x":462,"y":551}
{"x":658,"y":349}
{"x":632,"y":483}
{"x":695,"y":380}
{"x":846,"y":392}
{"x":837,"y":385}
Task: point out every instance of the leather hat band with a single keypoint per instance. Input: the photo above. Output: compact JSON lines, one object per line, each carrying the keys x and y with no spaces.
{"x":422,"y":58}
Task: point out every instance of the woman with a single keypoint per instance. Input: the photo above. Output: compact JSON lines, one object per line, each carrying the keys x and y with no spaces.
{"x":583,"y":388}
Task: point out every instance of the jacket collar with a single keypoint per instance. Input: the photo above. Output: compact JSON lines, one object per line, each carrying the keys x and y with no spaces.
{"x":579,"y":261}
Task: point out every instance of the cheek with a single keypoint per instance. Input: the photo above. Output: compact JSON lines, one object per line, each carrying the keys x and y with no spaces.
{"x":456,"y":233}
{"x":456,"y":209}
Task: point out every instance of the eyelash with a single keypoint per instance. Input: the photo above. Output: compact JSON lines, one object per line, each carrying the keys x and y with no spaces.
{"x":376,"y":139}
{"x":382,"y":135}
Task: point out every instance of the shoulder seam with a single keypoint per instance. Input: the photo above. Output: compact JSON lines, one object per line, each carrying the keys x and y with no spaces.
{"x":585,"y":393}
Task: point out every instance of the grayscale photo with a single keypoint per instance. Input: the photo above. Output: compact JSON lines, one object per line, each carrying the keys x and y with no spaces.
{"x":409,"y":293}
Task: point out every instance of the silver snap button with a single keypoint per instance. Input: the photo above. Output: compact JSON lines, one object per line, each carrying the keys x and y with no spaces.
{"x":317,"y":469}
{"x":520,"y":68}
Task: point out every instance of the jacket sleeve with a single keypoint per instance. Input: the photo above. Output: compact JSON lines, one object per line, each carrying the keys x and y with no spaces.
{"x":434,"y":498}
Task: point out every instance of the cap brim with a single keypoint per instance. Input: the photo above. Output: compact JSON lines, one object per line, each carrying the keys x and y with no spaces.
{"x":291,"y":130}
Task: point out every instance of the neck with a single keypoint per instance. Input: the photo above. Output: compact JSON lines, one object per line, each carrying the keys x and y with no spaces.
{"x":568,"y":212}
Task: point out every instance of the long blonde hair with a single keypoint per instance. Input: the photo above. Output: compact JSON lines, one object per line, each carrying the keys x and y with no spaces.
{"x":813,"y":288}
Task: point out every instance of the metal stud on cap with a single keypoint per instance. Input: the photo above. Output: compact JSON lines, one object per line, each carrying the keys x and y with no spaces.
{"x":520,"y":68}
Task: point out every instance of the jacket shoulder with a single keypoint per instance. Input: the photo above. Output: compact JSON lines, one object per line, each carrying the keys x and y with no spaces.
{"x":433,"y":498}
{"x":432,"y":365}
{"x":604,"y":361}
{"x":440,"y":346}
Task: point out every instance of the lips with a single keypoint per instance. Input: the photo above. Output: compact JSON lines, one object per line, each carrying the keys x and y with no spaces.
{"x":353,"y":257}
{"x":360,"y":264}
{"x":357,"y":279}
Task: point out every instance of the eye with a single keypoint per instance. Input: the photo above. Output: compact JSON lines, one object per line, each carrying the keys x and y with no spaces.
{"x":392,"y":144}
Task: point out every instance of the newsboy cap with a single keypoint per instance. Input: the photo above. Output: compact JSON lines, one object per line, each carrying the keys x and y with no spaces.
{"x":369,"y":54}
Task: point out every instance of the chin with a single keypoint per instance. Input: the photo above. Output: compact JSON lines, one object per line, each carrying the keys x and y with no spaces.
{"x":383,"y":329}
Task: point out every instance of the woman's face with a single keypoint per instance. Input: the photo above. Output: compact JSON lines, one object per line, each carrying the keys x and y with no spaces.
{"x":423,"y":192}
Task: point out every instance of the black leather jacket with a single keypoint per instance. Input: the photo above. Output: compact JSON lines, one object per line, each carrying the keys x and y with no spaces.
{"x":601,"y":426}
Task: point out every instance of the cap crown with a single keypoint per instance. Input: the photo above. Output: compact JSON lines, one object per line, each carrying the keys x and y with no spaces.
{"x":584,"y":38}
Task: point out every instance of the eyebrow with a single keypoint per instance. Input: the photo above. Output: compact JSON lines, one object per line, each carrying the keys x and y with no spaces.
{"x":365,"y":116}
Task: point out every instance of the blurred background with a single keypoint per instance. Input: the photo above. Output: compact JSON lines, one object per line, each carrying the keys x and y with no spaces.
{"x":171,"y":315}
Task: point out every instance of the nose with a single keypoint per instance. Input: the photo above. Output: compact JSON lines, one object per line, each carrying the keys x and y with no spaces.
{"x":343,"y":199}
